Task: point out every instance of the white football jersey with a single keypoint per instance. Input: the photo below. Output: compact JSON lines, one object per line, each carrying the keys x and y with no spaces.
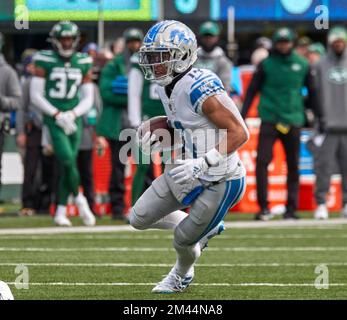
{"x":184,"y":111}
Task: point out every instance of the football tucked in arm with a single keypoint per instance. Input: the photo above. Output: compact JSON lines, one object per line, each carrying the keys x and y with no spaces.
{"x":163,"y":131}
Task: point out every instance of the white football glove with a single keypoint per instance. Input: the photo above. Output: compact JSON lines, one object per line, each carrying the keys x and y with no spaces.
{"x":66,"y":121}
{"x":70,"y":115}
{"x":148,"y":143}
{"x":191,"y":169}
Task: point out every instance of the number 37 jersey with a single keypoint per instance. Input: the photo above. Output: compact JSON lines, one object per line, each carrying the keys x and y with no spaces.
{"x":200,"y":135}
{"x":63,"y":77}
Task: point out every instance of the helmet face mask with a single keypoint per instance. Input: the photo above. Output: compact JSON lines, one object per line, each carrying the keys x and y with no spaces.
{"x":60,"y":33}
{"x":168,"y":49}
{"x":65,"y":52}
{"x":159,"y":65}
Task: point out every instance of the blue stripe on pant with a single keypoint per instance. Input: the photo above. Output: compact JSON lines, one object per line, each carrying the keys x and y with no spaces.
{"x":233,"y":191}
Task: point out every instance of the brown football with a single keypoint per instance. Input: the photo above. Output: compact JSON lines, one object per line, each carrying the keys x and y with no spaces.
{"x":163,"y":131}
{"x":159,"y":122}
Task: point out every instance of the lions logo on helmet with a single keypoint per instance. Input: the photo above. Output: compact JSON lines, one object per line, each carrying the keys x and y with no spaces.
{"x":5,"y":292}
{"x":169,"y":48}
{"x":64,"y":29}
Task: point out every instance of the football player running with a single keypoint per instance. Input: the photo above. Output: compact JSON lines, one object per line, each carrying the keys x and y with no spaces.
{"x":62,"y":89}
{"x":211,"y":178}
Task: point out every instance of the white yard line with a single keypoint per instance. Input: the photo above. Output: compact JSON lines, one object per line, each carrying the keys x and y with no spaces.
{"x":286,"y":223}
{"x":166,"y":249}
{"x":162,"y":265}
{"x":169,"y":237}
{"x":59,"y":230}
{"x":305,"y":223}
{"x":128,"y":284}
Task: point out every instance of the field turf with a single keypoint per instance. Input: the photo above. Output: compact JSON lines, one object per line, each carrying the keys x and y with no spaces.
{"x":243,"y":263}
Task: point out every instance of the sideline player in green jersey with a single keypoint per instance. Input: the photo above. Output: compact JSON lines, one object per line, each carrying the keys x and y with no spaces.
{"x":143,"y":103}
{"x":62,"y":88}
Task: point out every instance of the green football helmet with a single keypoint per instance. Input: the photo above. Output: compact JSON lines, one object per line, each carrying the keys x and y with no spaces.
{"x":64,"y":29}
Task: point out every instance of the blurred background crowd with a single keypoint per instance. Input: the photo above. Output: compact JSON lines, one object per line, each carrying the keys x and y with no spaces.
{"x":288,"y":79}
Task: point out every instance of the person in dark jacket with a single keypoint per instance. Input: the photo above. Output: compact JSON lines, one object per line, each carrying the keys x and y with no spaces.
{"x":10,"y":96}
{"x":279,"y":79}
{"x":211,"y":56}
{"x":330,"y":79}
{"x":29,"y":130}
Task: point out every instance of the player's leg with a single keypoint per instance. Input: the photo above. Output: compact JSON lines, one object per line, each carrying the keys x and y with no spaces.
{"x":157,"y":208}
{"x":116,"y":186}
{"x":207,"y":212}
{"x":342,"y":158}
{"x":30,"y":188}
{"x":324,"y":158}
{"x":66,"y":149}
{"x":267,"y":137}
{"x":64,"y":155}
{"x":140,"y":176}
{"x":291,"y":144}
{"x":138,"y":182}
{"x":85,"y":169}
{"x":81,"y":201}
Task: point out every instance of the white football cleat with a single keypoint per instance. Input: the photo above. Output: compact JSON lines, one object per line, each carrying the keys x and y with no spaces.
{"x":344,"y":211}
{"x":173,"y":283}
{"x":5,"y":292}
{"x":84,"y":211}
{"x":62,"y":221}
{"x":217,"y":230}
{"x":321,"y":212}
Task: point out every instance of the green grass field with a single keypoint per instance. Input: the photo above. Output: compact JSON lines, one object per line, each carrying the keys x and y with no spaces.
{"x":243,"y":263}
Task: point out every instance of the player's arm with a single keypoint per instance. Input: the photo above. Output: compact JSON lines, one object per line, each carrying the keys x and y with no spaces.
{"x":223,"y":113}
{"x":87,"y":95}
{"x":135,"y":88}
{"x":37,"y":93}
{"x":11,"y":100}
{"x":253,"y":88}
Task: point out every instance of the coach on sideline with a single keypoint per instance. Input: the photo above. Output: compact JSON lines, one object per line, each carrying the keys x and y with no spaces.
{"x":280,"y":79}
{"x":330,"y":75}
{"x":10,"y":96}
